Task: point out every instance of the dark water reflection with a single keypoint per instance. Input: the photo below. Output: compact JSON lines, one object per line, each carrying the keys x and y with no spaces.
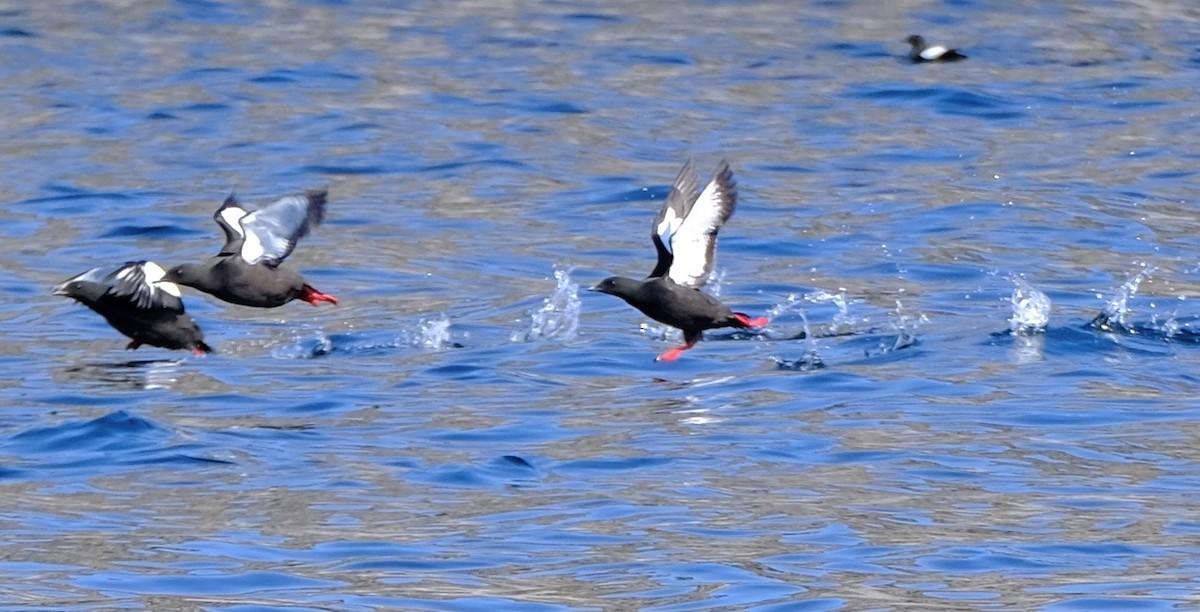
{"x":468,"y":430}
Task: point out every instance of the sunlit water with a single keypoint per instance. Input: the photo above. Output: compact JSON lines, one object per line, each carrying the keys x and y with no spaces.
{"x":977,"y":389}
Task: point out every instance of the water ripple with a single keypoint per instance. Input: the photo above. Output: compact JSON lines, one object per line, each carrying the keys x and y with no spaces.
{"x":462,"y":432}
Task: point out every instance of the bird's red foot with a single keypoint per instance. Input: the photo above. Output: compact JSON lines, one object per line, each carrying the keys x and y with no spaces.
{"x":674,"y":353}
{"x":198,"y":352}
{"x":132,"y":346}
{"x":671,"y":355}
{"x":312,"y":296}
{"x":745,"y":319}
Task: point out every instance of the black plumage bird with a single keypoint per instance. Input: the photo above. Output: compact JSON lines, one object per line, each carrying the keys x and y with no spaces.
{"x":685,"y":238}
{"x":922,"y":52}
{"x":246,"y":271}
{"x":138,"y":303}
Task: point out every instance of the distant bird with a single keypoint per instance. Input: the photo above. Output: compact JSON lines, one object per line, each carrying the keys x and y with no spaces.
{"x":246,"y":271}
{"x":922,"y":52}
{"x":138,"y":303}
{"x":685,"y":236}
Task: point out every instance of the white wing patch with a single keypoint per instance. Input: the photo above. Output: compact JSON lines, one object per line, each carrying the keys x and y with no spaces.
{"x":233,"y":217}
{"x":154,"y":278}
{"x":141,"y":283}
{"x":252,"y":247}
{"x":271,"y":233}
{"x":932,"y":53}
{"x":699,"y":229}
{"x":695,"y":241}
{"x":667,"y":228}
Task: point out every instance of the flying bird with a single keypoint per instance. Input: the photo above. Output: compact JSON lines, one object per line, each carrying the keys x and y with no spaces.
{"x":246,"y":271}
{"x":685,"y":237}
{"x":138,"y":303}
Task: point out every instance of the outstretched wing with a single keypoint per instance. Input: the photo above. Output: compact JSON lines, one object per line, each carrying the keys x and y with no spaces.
{"x":229,"y":217}
{"x":694,"y":242}
{"x":684,"y":192}
{"x":271,"y":233}
{"x":139,"y":282}
{"x":95,"y":275}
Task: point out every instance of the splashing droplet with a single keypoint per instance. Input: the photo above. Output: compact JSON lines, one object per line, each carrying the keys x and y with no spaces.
{"x":906,"y":326}
{"x":1117,"y":310}
{"x":558,"y":317}
{"x":1030,"y":308}
{"x":811,"y":360}
{"x":433,"y":334}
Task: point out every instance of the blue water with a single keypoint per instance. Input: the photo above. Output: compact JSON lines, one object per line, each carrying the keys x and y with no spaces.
{"x":471,"y":430}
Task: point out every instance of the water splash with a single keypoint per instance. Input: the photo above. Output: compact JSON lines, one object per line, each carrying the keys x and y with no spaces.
{"x":842,"y":321}
{"x":320,"y":346}
{"x":558,"y":316}
{"x":794,"y":304}
{"x":1030,"y":308}
{"x":806,"y":363}
{"x":1117,"y":316}
{"x":905,"y":324}
{"x":1171,"y":327}
{"x":811,"y":359}
{"x":658,"y":331}
{"x":716,"y":280}
{"x":1117,"y":311}
{"x":432,"y":334}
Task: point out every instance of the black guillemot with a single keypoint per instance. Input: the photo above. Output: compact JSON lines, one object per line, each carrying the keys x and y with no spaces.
{"x":922,"y":52}
{"x":246,"y":271}
{"x":138,"y":303}
{"x":685,"y":237}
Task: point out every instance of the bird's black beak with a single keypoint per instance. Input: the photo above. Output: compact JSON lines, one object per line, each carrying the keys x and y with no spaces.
{"x":59,"y":289}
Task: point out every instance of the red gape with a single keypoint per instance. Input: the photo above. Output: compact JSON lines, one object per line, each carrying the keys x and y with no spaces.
{"x":312,"y":296}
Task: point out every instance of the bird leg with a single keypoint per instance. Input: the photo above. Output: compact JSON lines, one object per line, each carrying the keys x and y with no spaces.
{"x":674,"y":353}
{"x":689,"y":340}
{"x":312,"y":296}
{"x":132,"y":346}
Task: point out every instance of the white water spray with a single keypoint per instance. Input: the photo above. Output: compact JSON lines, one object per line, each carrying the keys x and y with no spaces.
{"x":1030,"y":308}
{"x":558,"y":317}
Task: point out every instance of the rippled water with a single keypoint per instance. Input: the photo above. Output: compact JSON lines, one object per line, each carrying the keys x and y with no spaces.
{"x":469,"y":429}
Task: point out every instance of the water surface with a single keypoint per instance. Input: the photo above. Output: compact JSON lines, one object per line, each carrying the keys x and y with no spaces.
{"x":469,"y":429}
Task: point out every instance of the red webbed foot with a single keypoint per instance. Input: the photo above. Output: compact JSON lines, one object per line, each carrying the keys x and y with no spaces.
{"x":671,"y":355}
{"x":745,"y":319}
{"x":312,"y":296}
{"x":674,"y":353}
